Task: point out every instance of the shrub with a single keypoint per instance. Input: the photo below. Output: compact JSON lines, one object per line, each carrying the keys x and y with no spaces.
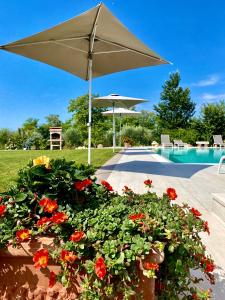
{"x":139,"y":135}
{"x":72,"y":138}
{"x":102,"y":234}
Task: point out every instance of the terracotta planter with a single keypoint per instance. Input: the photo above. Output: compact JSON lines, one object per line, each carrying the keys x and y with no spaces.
{"x":127,"y":145}
{"x":19,"y":280}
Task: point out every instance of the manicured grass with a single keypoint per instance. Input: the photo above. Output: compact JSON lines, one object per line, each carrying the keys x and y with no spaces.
{"x":12,"y":161}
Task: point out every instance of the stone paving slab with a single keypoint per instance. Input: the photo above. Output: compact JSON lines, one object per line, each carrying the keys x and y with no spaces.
{"x":194,"y":183}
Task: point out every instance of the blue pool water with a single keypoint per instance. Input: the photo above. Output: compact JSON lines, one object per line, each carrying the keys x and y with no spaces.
{"x":192,"y":155}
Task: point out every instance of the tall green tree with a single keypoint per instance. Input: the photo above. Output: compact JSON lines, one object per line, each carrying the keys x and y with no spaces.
{"x":79,"y":108}
{"x":213,"y":119}
{"x":29,"y":126}
{"x":175,"y":108}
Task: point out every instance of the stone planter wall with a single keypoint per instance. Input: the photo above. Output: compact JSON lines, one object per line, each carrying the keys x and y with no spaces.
{"x":19,"y":280}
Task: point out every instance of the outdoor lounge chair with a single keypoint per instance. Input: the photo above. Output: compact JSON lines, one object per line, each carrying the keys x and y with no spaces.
{"x":178,"y":143}
{"x":165,"y":140}
{"x":218,"y":141}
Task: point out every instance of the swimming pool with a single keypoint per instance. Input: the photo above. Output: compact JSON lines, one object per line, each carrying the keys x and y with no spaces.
{"x":192,"y":155}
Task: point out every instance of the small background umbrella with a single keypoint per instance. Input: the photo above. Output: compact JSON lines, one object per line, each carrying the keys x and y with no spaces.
{"x":121,"y":112}
{"x":90,"y":45}
{"x":115,"y":100}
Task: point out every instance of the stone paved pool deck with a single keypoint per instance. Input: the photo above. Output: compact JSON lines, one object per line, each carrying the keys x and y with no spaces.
{"x":195,"y":184}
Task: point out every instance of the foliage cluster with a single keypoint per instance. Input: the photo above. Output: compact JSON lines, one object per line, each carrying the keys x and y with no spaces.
{"x":103,"y":235}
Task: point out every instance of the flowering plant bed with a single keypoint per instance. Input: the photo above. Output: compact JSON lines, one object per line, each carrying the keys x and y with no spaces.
{"x":109,"y":241}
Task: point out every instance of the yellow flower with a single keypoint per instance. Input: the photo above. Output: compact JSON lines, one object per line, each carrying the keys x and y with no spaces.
{"x":42,"y":160}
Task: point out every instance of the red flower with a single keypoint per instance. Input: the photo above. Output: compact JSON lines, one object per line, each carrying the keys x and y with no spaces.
{"x":77,"y":236}
{"x":41,"y":258}
{"x":107,"y":185}
{"x":59,"y":217}
{"x":206,"y":227}
{"x":196,"y":212}
{"x":151,"y":266}
{"x":148,"y":182}
{"x":100,"y":268}
{"x":207,"y":265}
{"x":171,"y":193}
{"x":48,"y":204}
{"x":23,"y":235}
{"x":195,"y":297}
{"x":52,"y":279}
{"x":68,"y":256}
{"x":136,"y":217}
{"x":81,"y":185}
{"x":2,"y":210}
{"x":43,"y":221}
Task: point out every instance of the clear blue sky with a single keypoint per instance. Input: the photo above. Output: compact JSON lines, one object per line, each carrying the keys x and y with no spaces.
{"x":191,"y":34}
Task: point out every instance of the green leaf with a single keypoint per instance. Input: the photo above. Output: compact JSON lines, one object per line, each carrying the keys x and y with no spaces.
{"x":20,"y":197}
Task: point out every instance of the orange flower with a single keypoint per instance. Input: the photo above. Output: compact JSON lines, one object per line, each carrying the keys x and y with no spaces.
{"x":81,"y":185}
{"x":68,"y":256}
{"x":135,"y":217}
{"x":107,"y":185}
{"x":151,"y":266}
{"x":48,"y":204}
{"x":100,"y":268}
{"x":52,"y":279}
{"x":196,"y":212}
{"x":171,"y":193}
{"x":43,"y":221}
{"x":148,"y":182}
{"x":23,"y":235}
{"x":41,"y":258}
{"x":59,"y":217}
{"x":2,"y":210}
{"x":77,"y":236}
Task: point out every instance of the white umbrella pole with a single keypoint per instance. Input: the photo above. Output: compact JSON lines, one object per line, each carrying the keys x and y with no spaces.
{"x":89,"y":108}
{"x":120,"y":131}
{"x":114,"y":130}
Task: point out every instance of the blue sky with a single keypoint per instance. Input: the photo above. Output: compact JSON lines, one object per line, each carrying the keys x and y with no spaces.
{"x":191,"y":34}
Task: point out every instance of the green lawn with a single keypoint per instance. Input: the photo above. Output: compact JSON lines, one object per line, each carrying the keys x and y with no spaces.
{"x":12,"y":161}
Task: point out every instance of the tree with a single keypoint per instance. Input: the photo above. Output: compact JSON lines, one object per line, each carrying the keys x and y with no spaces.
{"x":53,"y":120}
{"x":100,"y":123}
{"x":5,"y":135}
{"x":145,"y":119}
{"x":213,"y":119}
{"x":175,"y":108}
{"x":29,"y":126}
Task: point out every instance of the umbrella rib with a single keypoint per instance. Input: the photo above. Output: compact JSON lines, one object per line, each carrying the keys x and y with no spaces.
{"x":70,"y":47}
{"x":113,"y":51}
{"x":43,"y":42}
{"x":131,"y":49}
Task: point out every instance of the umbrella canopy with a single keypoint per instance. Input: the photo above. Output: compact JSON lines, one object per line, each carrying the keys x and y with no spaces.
{"x":121,"y":112}
{"x":115,"y":100}
{"x":92,"y":44}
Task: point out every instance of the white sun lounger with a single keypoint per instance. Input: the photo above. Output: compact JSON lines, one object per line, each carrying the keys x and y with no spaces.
{"x":165,"y":140}
{"x":178,"y":143}
{"x":218,"y":141}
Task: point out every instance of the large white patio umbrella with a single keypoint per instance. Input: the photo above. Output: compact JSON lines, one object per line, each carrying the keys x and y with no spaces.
{"x":121,"y":112}
{"x":90,"y":45}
